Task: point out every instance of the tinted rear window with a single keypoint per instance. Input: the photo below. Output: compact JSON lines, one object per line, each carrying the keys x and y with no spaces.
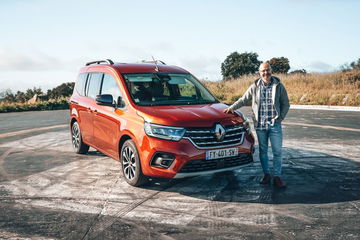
{"x":93,"y":85}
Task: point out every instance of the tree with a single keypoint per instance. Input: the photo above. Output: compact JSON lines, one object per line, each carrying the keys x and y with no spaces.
{"x":346,"y":67}
{"x":31,"y":92}
{"x":20,"y":97}
{"x":236,"y":65}
{"x":4,"y":93}
{"x":63,"y":90}
{"x":7,"y":96}
{"x":355,"y":65}
{"x":299,"y":71}
{"x":280,"y":65}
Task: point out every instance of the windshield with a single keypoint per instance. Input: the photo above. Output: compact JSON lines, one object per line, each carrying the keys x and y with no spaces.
{"x":154,"y":89}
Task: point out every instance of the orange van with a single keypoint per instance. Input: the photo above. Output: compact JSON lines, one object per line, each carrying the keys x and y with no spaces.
{"x":157,"y":120}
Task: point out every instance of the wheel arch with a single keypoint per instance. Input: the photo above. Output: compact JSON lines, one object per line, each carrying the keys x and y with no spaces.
{"x":142,"y":179}
{"x":123,"y":139}
{"x":72,"y":121}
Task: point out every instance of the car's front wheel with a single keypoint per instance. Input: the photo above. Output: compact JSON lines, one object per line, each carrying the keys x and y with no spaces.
{"x":78,"y":145}
{"x":130,"y":163}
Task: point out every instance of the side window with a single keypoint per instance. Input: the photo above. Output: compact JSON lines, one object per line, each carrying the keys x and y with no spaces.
{"x":80,"y":84}
{"x":109,"y":86}
{"x":93,"y":85}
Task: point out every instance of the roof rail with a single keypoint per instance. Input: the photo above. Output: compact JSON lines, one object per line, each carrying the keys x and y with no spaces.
{"x":108,"y":61}
{"x":152,"y":61}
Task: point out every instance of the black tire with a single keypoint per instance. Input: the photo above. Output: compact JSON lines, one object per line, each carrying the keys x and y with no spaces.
{"x":76,"y":138}
{"x":130,"y":164}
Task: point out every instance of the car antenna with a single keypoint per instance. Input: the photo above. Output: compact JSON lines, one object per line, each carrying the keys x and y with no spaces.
{"x":156,"y":66}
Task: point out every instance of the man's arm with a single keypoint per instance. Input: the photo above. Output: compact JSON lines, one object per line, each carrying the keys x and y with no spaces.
{"x":243,"y":101}
{"x":284,"y":103}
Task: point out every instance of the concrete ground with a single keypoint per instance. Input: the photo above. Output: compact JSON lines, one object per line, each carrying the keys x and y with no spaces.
{"x":48,"y":192}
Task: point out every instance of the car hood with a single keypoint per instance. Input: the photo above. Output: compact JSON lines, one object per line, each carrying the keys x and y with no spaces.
{"x":205,"y":115}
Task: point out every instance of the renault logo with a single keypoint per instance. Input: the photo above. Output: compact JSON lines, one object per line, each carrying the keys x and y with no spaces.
{"x":219,"y":132}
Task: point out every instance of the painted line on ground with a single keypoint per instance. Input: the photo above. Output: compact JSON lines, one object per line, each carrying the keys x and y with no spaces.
{"x":10,"y":134}
{"x":326,"y":107}
{"x":321,"y":126}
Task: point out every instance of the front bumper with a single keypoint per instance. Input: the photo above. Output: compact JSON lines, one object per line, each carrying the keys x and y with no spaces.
{"x":202,"y":165}
{"x":193,"y":174}
{"x":189,"y":160}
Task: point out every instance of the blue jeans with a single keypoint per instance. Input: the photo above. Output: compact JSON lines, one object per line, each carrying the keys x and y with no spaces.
{"x":274,"y":133}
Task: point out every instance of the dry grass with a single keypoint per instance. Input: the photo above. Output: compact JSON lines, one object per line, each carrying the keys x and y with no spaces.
{"x":316,"y":89}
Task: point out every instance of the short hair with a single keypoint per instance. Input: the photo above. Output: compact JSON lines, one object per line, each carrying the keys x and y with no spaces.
{"x":265,"y":63}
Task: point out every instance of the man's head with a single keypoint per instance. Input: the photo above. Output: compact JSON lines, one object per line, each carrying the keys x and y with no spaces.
{"x":265,"y":71}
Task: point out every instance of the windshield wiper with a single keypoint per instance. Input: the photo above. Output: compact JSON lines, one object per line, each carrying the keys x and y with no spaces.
{"x":178,"y":103}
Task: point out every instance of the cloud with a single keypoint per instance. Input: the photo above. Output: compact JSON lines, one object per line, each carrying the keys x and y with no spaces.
{"x":30,"y":61}
{"x":203,"y":67}
{"x":29,"y":79}
{"x":319,"y":66}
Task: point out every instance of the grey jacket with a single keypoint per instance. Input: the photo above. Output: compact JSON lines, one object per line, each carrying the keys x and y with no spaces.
{"x":252,"y":95}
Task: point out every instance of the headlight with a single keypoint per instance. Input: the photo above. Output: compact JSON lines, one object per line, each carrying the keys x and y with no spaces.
{"x":247,"y":124}
{"x":248,"y":127}
{"x":240,"y":114}
{"x":164,"y":132}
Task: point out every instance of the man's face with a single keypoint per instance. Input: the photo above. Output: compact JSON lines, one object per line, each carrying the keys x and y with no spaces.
{"x":265,"y":72}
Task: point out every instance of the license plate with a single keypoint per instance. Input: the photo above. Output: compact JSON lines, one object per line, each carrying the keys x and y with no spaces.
{"x":222,"y":153}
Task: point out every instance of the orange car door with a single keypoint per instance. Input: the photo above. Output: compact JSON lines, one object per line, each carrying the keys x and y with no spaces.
{"x":89,"y":107}
{"x":106,"y":120}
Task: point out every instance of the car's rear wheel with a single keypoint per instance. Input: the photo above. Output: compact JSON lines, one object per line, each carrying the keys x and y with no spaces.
{"x":78,"y":145}
{"x":130,"y":164}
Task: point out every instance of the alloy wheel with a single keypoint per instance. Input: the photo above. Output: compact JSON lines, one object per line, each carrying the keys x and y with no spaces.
{"x":129,"y":163}
{"x":75,"y":136}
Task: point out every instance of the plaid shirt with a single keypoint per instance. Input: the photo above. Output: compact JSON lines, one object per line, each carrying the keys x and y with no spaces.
{"x":267,"y":111}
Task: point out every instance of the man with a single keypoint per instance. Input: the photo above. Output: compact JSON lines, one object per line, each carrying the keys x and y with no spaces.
{"x":270,"y":104}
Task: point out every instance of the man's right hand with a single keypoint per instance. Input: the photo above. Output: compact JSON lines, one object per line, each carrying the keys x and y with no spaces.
{"x":228,"y":110}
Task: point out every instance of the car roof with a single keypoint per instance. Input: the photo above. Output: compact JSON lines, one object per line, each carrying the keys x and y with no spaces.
{"x":134,"y":67}
{"x":147,"y":67}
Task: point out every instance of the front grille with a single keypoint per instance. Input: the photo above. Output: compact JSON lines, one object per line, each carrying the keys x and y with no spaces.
{"x":205,"y":137}
{"x":207,"y":165}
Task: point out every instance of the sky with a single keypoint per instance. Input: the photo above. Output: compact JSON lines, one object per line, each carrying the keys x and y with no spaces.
{"x":44,"y":43}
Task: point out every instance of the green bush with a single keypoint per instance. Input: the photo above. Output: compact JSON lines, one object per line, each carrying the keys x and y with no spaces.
{"x":236,"y":65}
{"x":280,"y":65}
{"x":54,"y":104}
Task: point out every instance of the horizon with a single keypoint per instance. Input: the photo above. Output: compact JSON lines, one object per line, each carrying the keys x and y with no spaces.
{"x":47,"y":42}
{"x":3,"y":91}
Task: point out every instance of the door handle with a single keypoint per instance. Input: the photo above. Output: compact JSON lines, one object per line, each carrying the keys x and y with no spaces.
{"x":92,"y":110}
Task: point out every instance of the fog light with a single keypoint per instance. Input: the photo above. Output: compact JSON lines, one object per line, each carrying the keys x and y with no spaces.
{"x":162,"y":160}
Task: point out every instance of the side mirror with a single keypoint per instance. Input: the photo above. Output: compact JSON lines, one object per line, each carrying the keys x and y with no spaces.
{"x":120,"y":103}
{"x":105,"y":100}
